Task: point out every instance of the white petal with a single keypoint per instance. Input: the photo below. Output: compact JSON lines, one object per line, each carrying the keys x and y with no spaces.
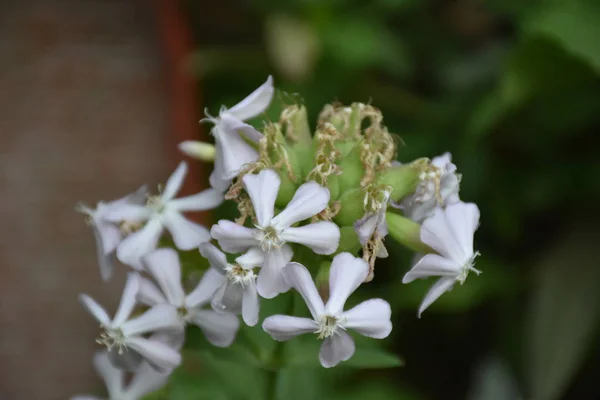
{"x":255,"y":103}
{"x":262,"y":189}
{"x":285,"y":327}
{"x":438,"y":234}
{"x":219,"y":328}
{"x":175,"y":340}
{"x":146,"y":380}
{"x":128,"y":299}
{"x":432,"y":265}
{"x":250,"y":304}
{"x":128,"y":212}
{"x":113,"y":377}
{"x":124,"y":360}
{"x":149,"y":294}
{"x":464,"y":220}
{"x":216,"y":258}
{"x":174,"y":182}
{"x":85,"y":397}
{"x":159,"y":317}
{"x":233,"y":238}
{"x":345,"y":276}
{"x":365,"y":227}
{"x":335,"y":349}
{"x":164,"y":266}
{"x":138,"y":244}
{"x":228,"y":298}
{"x":95,"y":309}
{"x":218,"y":179}
{"x":185,"y":233}
{"x":270,"y":280}
{"x":310,"y":199}
{"x":160,"y":356}
{"x":234,"y":151}
{"x":322,"y":237}
{"x":108,"y":236}
{"x":254,"y":257}
{"x":370,"y":318}
{"x":205,"y":289}
{"x":205,"y":200}
{"x":298,"y":277}
{"x":439,"y":288}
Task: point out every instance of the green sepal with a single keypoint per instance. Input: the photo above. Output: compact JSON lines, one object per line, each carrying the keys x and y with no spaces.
{"x":406,"y":232}
{"x":403,"y":179}
{"x":351,"y":207}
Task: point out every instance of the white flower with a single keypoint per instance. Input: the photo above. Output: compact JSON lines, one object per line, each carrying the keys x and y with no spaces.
{"x":237,"y":293}
{"x":450,"y":233}
{"x":370,"y":318}
{"x":124,"y":338}
{"x":163,"y":264}
{"x":145,"y":380}
{"x":439,"y":187}
{"x":162,"y":212}
{"x":109,"y":234}
{"x":233,"y":152}
{"x":373,"y":225}
{"x":272,"y":233}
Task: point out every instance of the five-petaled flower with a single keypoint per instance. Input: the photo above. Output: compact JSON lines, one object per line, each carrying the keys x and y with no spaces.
{"x":329,"y":321}
{"x":450,"y":233}
{"x":124,"y":337}
{"x":272,"y":233}
{"x":164,"y":266}
{"x":160,"y":212}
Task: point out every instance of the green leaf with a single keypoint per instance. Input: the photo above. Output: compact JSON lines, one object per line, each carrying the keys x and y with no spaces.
{"x":564,"y":313}
{"x":299,"y":384}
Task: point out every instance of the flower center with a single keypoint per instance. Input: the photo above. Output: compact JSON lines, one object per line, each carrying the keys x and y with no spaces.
{"x":468,"y":267}
{"x":128,"y":227}
{"x":328,"y":326}
{"x":113,"y":338}
{"x":184,"y":314}
{"x":430,"y":178}
{"x":156,"y":204}
{"x":269,"y":238}
{"x":239,"y":275}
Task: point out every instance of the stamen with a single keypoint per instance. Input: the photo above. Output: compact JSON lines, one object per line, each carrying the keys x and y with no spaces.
{"x":468,"y":267}
{"x":242,"y":276}
{"x":112,"y":338}
{"x":269,"y":238}
{"x":155,"y":203}
{"x":328,"y":326}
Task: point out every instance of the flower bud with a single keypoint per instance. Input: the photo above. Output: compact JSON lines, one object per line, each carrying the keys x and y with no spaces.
{"x":403,"y":179}
{"x":199,"y":150}
{"x":406,"y":232}
{"x":295,"y":122}
{"x":348,"y":240}
{"x":351,"y":207}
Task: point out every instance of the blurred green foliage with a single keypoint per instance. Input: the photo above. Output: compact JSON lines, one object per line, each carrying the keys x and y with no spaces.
{"x":512,"y":89}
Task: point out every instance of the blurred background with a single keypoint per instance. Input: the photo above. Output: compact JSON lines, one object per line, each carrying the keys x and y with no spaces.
{"x":94,"y":94}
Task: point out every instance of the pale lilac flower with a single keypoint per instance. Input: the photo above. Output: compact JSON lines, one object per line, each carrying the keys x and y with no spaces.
{"x":273,"y":232}
{"x":124,"y":337}
{"x":163,"y":264}
{"x":373,"y":225}
{"x":450,"y":233}
{"x":144,"y":381}
{"x":109,"y":234}
{"x":237,"y":293}
{"x":329,"y":321}
{"x":232,"y":150}
{"x":164,"y":211}
{"x":439,"y":187}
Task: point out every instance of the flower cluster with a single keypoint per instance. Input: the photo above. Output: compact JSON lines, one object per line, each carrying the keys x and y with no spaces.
{"x":311,"y":205}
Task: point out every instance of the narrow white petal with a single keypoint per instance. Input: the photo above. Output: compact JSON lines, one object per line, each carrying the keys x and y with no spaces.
{"x":322,"y":237}
{"x":262,"y":189}
{"x":437,"y":289}
{"x":185,"y":233}
{"x":164,"y":266}
{"x":175,"y":340}
{"x":228,"y":298}
{"x":254,"y":257}
{"x":285,"y":327}
{"x":438,"y":234}
{"x":234,"y":151}
{"x":196,"y":149}
{"x":159,"y":317}
{"x":432,"y":265}
{"x":219,"y":328}
{"x":310,"y":199}
{"x":216,"y":258}
{"x":211,"y":280}
{"x":335,"y":349}
{"x":107,"y":266}
{"x":124,"y":360}
{"x":174,"y":182}
{"x":464,"y":220}
{"x":138,"y":244}
{"x":255,"y":103}
{"x":370,"y":318}
{"x":365,"y":227}
{"x":205,"y":200}
{"x":345,"y":276}
{"x":113,"y":377}
{"x":128,"y":299}
{"x":128,"y":212}
{"x":160,"y":356}
{"x":270,"y":280}
{"x":95,"y":309}
{"x":149,"y":294}
{"x":108,"y":235}
{"x":233,"y":238}
{"x":250,"y":305}
{"x":85,"y":397}
{"x":218,"y":179}
{"x":298,"y":277}
{"x":146,"y":380}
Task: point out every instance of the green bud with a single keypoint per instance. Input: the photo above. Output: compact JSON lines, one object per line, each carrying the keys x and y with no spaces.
{"x":322,"y":278}
{"x":403,"y":179}
{"x":351,"y":207}
{"x":406,"y":232}
{"x":286,"y":189}
{"x":349,"y":240}
{"x":351,"y":166}
{"x":295,"y":121}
